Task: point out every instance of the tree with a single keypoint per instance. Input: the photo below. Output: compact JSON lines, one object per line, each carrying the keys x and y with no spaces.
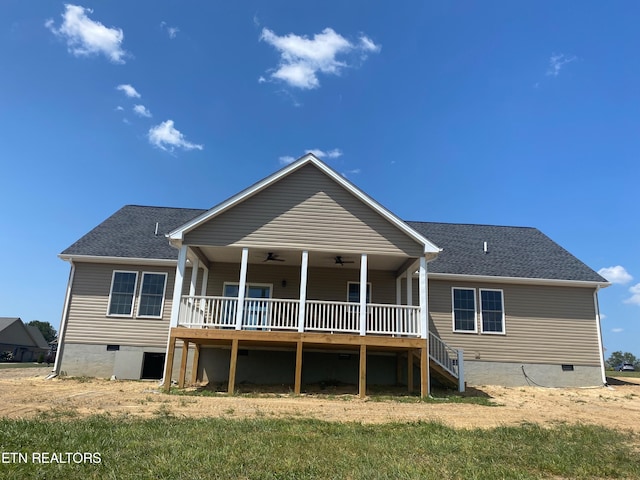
{"x":618,"y":357}
{"x":48,"y":332}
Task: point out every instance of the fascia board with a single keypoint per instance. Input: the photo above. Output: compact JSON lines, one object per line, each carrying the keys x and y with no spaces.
{"x":121,"y":260}
{"x":517,"y":280}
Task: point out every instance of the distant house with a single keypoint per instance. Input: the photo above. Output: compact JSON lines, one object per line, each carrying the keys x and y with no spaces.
{"x":24,"y":343}
{"x":303,"y":278}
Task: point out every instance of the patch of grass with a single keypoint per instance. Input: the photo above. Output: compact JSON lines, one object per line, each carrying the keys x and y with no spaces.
{"x":623,"y":374}
{"x":169,"y":447}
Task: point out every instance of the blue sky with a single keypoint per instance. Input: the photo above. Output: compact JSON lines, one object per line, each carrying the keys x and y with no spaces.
{"x":492,"y":112}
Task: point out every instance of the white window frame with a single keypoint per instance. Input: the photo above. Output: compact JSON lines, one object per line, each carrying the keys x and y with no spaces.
{"x":453,"y":310}
{"x":133,"y":296}
{"x":252,"y":284}
{"x":164,"y":292}
{"x":369,"y":289}
{"x":504,"y":324}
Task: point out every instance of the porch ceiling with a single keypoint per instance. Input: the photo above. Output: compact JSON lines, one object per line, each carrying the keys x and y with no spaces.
{"x":293,"y":258}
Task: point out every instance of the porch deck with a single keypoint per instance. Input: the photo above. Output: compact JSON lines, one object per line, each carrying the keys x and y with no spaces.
{"x":323,"y":325}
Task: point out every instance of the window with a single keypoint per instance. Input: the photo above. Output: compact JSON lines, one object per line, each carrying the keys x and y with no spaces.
{"x":152,"y":294}
{"x":491,"y":311}
{"x":464,"y":310}
{"x":353,"y":292}
{"x":123,"y":289}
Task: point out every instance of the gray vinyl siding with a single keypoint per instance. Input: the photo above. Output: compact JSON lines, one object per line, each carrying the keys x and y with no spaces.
{"x":306,"y":210}
{"x":88,"y":322}
{"x":322,"y":283}
{"x":544,"y":324}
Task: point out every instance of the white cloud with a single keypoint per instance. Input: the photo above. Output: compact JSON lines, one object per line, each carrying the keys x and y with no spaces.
{"x":142,"y":111}
{"x":616,"y":274}
{"x":171,"y":31}
{"x":635,"y":294}
{"x":286,"y":160}
{"x":557,"y":61}
{"x":335,"y":153}
{"x":128,"y":90}
{"x":86,"y":37}
{"x":119,"y":108}
{"x":617,"y":330}
{"x":167,"y":137}
{"x":302,"y":58}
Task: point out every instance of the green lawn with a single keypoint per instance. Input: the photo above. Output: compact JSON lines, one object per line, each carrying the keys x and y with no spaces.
{"x":166,"y":447}
{"x":611,"y":373}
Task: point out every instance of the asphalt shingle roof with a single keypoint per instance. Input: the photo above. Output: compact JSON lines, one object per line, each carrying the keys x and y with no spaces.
{"x":130,"y":233}
{"x":512,"y":251}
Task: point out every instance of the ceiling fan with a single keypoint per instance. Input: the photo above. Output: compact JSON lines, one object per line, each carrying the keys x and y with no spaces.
{"x":273,"y":257}
{"x":340,"y":261}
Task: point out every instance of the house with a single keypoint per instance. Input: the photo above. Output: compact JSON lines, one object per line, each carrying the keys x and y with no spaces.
{"x":303,"y":278}
{"x":20,"y":342}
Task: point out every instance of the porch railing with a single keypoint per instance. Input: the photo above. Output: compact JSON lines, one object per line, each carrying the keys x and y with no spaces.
{"x":283,"y":314}
{"x":449,"y":358}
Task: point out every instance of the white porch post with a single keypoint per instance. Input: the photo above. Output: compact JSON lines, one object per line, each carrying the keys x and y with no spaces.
{"x":177,"y":285}
{"x":194,"y":277}
{"x":424,"y":300}
{"x":363,"y":294}
{"x":205,"y":281}
{"x":241,"y":288}
{"x":303,"y":290}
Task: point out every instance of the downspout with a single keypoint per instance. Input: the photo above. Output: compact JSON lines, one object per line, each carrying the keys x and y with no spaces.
{"x":63,"y":321}
{"x":599,"y":330}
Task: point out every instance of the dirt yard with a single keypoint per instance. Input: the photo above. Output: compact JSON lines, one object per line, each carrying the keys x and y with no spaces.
{"x":26,"y":393}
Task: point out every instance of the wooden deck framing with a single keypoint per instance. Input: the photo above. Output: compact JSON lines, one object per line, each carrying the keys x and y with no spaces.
{"x":255,"y":338}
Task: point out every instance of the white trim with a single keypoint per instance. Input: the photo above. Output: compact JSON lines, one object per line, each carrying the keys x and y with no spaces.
{"x":63,"y":320}
{"x":117,"y":260}
{"x":504,"y":319}
{"x":599,"y":330}
{"x":519,"y":280}
{"x":164,"y":291}
{"x":195,"y":267}
{"x":177,"y":235}
{"x":133,"y":296}
{"x":363,"y":290}
{"x":423,"y":298}
{"x":475,"y":311}
{"x":304,"y":267}
{"x":177,"y":289}
{"x":242,"y":285}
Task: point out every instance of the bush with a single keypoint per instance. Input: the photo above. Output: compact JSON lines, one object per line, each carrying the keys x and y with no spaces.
{"x":6,"y":356}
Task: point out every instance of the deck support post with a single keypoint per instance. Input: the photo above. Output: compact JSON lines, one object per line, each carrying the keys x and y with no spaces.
{"x":297,"y":388}
{"x":168,"y":364}
{"x":183,"y":363}
{"x":196,"y":361}
{"x":242,"y":286}
{"x":232,"y":366}
{"x":410,"y":371}
{"x":424,"y":372}
{"x":362,"y":384}
{"x":363,"y":294}
{"x":303,"y":290}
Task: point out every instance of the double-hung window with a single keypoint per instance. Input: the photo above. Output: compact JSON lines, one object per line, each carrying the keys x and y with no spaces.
{"x":464,"y":310}
{"x":353,"y":292}
{"x":492,"y":311}
{"x":123,"y":291}
{"x":152,"y":294}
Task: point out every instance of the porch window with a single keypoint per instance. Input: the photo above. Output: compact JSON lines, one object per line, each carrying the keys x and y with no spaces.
{"x":152,"y":294}
{"x":353,"y":292}
{"x":464,"y":310}
{"x":123,"y":289}
{"x":491,"y":311}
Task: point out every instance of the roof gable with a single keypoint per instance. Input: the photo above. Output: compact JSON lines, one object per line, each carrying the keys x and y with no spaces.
{"x":307,"y":164}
